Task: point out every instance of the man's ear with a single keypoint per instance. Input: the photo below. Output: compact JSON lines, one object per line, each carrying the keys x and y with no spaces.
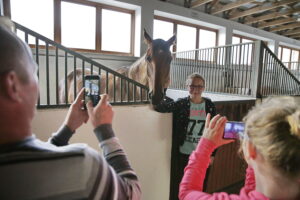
{"x":12,"y":86}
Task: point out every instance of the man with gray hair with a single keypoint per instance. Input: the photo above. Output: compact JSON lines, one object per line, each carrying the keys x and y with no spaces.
{"x":32,"y":169}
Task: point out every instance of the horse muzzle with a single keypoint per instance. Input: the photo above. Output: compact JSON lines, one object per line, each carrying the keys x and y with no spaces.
{"x":157,"y":97}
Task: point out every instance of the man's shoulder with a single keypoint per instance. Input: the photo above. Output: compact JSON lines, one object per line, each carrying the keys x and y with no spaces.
{"x":68,"y":171}
{"x":35,"y":149}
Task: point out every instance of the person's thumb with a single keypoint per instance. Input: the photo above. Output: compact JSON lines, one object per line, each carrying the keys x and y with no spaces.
{"x":103,"y":100}
{"x":89,"y":106}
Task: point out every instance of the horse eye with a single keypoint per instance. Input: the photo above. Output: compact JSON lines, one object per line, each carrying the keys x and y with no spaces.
{"x":149,"y":58}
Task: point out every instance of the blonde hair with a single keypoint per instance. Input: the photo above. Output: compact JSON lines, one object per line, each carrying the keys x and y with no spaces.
{"x":274,"y":128}
{"x":192,"y":76}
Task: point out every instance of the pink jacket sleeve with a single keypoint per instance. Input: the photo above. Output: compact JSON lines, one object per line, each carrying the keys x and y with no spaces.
{"x":191,"y":186}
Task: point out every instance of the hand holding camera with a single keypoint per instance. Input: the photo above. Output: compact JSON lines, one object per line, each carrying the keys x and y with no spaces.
{"x":102,"y":113}
{"x":214,"y":130}
{"x":76,"y":115}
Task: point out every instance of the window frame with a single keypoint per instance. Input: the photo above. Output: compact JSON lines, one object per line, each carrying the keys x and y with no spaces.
{"x":99,"y":7}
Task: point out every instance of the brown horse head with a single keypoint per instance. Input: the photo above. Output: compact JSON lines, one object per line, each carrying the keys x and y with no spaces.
{"x":158,"y":58}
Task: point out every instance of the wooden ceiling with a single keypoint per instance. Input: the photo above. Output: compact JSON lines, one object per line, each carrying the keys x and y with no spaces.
{"x":278,"y":16}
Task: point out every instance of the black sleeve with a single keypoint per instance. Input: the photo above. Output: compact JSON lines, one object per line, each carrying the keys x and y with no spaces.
{"x":168,"y":105}
{"x":210,"y":108}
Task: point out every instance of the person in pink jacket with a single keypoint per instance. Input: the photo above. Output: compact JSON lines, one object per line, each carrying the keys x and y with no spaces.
{"x":271,"y":147}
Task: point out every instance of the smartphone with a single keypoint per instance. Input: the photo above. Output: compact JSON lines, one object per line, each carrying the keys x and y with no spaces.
{"x":234,"y":130}
{"x":92,"y":89}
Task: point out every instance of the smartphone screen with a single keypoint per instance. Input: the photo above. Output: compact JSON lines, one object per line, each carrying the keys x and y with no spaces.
{"x":92,"y":89}
{"x":234,"y":130}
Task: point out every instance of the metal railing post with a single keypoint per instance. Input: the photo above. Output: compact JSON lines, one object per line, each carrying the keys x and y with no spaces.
{"x":257,"y":69}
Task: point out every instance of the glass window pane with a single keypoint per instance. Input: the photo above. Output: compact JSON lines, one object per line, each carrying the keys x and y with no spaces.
{"x":34,"y":14}
{"x":162,"y":29}
{"x":235,"y":40}
{"x":78,"y":24}
{"x":295,"y":59}
{"x":286,"y":55}
{"x":116,"y":31}
{"x":295,"y":56}
{"x":246,"y":40}
{"x":186,"y":38}
{"x":207,"y":38}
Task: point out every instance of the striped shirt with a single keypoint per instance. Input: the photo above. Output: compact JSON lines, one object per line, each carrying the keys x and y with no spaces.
{"x":32,"y":169}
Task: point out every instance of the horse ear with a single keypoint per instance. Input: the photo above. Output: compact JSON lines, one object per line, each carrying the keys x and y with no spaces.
{"x":172,"y":40}
{"x":147,"y":37}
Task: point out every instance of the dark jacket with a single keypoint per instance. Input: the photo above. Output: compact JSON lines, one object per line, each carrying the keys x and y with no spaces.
{"x":181,"y":112}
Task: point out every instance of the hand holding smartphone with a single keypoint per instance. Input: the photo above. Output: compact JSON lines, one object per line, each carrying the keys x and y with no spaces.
{"x":92,"y":89}
{"x":234,"y":130}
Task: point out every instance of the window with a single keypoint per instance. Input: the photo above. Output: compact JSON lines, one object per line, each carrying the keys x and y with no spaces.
{"x":286,"y":54}
{"x":186,"y":38}
{"x":289,"y":56}
{"x":207,"y":38}
{"x":34,"y":14}
{"x":294,"y":60}
{"x":189,"y":36}
{"x":238,"y":39}
{"x":162,"y":29}
{"x":78,"y":31}
{"x":116,"y":29}
{"x":79,"y":24}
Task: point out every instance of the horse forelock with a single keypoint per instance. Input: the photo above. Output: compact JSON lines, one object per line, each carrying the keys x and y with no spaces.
{"x":160,"y":44}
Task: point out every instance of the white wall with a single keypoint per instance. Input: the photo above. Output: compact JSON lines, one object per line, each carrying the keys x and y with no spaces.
{"x":144,"y":134}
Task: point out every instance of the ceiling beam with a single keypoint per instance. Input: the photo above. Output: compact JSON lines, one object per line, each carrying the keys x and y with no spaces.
{"x":290,"y":26}
{"x":214,"y":3}
{"x":250,"y":20}
{"x":261,"y":8}
{"x":221,"y":8}
{"x":292,"y":32}
{"x":276,"y":22}
{"x":198,"y":3}
{"x":295,"y":36}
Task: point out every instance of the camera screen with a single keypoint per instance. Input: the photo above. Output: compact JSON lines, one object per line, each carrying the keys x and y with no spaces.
{"x":234,"y":130}
{"x":92,"y":90}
